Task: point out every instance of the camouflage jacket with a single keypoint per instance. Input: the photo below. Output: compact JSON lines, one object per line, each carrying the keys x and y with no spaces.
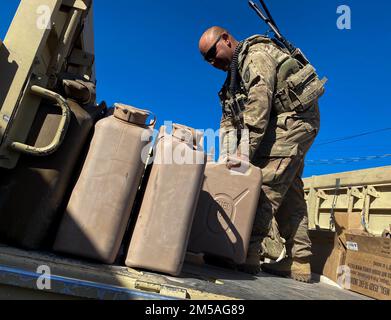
{"x":258,"y":71}
{"x":258,"y":61}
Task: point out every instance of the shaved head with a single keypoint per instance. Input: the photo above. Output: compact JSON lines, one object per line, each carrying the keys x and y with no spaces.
{"x":209,"y":37}
{"x":223,"y":45}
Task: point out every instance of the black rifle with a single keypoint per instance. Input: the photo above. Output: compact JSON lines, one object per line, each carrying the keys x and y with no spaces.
{"x":268,"y":19}
{"x":271,"y":23}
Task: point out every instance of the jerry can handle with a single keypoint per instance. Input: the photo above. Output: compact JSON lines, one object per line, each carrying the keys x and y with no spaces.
{"x":60,"y":133}
{"x":239,"y":165}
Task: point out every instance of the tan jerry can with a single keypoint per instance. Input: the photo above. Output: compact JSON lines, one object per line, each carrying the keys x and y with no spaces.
{"x":96,"y":218}
{"x":226,"y":211}
{"x":162,"y":230}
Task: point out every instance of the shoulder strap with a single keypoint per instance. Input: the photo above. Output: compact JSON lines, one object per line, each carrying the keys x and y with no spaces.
{"x":235,"y":77}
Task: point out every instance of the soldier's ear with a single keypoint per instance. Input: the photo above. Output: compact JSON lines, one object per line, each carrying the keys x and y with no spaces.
{"x":225,"y":37}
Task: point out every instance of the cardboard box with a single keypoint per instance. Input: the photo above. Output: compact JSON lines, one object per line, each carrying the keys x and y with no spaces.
{"x":328,"y":254}
{"x":346,"y":222}
{"x":368,"y":266}
{"x":333,"y":263}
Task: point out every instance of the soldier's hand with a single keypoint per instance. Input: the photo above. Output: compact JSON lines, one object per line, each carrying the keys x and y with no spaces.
{"x":233,"y":162}
{"x":236,"y":161}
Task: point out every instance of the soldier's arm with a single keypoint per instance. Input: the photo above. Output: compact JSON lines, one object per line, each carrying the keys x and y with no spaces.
{"x":259,"y":77}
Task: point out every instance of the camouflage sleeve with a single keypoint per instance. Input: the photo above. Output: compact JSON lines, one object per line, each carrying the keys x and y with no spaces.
{"x":259,"y":76}
{"x":228,"y":138}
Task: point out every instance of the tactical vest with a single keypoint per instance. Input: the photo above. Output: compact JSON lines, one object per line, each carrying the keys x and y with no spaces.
{"x":297,"y":86}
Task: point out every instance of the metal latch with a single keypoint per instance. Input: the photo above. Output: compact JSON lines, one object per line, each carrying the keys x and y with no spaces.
{"x":369,"y":193}
{"x":320,"y":196}
{"x":356,"y":193}
{"x":372,"y":192}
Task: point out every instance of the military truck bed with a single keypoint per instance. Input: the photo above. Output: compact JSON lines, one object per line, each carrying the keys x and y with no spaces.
{"x":74,"y":279}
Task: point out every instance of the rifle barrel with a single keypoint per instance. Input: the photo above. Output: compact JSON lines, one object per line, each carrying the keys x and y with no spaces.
{"x":259,"y":12}
{"x":270,"y":22}
{"x":264,"y":6}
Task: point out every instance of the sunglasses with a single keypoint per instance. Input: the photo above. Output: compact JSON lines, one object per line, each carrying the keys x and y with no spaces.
{"x":210,"y":56}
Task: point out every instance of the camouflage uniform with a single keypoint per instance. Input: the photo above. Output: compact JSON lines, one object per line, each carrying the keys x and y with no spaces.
{"x":278,"y":143}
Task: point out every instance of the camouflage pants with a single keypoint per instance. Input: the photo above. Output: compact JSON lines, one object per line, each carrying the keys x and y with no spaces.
{"x":282,"y":210}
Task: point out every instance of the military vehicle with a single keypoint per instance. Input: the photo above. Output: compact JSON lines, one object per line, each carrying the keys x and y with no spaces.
{"x":45,"y":61}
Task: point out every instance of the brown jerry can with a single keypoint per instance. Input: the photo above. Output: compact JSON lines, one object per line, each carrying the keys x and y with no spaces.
{"x":162,"y":230}
{"x":98,"y":211}
{"x":225,"y":212}
{"x":32,"y":194}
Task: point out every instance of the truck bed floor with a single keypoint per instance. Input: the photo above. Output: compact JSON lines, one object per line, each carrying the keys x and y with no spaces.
{"x":80,"y":279}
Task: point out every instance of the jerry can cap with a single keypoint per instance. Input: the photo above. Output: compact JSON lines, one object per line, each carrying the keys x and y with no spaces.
{"x":131,"y":114}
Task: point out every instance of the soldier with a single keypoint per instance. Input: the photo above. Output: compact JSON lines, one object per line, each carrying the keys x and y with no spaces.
{"x":275,"y":98}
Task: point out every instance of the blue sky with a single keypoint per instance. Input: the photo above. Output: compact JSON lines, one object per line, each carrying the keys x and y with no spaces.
{"x":147,"y":56}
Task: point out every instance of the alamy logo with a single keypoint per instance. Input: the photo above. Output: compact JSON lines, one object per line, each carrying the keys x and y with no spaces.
{"x":44,"y":280}
{"x":176,"y":144}
{"x":344,"y":277}
{"x":344,"y":21}
{"x":44,"y":17}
